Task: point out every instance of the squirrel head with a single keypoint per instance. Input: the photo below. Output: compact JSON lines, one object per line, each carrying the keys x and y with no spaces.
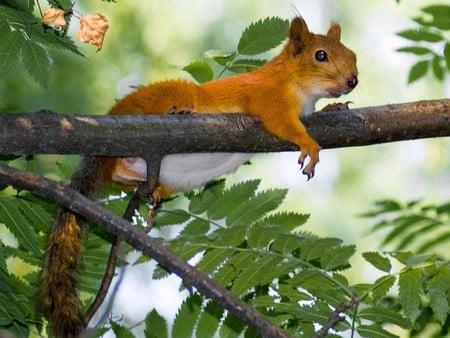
{"x":322,"y":65}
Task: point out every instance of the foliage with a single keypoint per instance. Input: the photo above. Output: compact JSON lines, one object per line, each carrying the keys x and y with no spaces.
{"x":256,"y":39}
{"x":430,"y":43}
{"x":27,"y":42}
{"x":238,"y":237}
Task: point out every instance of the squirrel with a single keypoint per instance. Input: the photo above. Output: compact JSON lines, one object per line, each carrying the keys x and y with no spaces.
{"x":310,"y":66}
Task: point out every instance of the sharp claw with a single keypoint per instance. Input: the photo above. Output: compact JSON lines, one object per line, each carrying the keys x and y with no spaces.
{"x":301,"y":164}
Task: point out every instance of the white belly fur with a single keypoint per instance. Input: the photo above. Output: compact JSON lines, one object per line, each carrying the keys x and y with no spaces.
{"x":185,"y":172}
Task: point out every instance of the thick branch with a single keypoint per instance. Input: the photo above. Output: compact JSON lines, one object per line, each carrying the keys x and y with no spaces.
{"x":138,"y":239}
{"x":139,"y":135}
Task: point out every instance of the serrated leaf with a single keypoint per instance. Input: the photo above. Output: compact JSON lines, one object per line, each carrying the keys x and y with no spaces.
{"x":186,"y":317}
{"x":374,"y":331}
{"x":253,"y":209}
{"x":378,"y":261}
{"x":200,"y":71}
{"x":121,"y":331}
{"x":19,"y":226}
{"x":233,"y":267}
{"x":199,"y":203}
{"x":286,"y":243}
{"x":417,"y":50}
{"x":209,"y":320}
{"x":231,"y":327}
{"x":420,"y":35}
{"x":262,"y":36}
{"x":22,"y":5}
{"x":37,"y":62}
{"x":252,"y":275}
{"x":232,"y":198}
{"x":437,"y":290}
{"x":410,"y":287}
{"x":10,"y":50}
{"x":447,"y":55}
{"x":212,"y":260}
{"x":287,"y":220}
{"x":418,"y":71}
{"x":381,"y":287}
{"x":384,"y":315}
{"x":155,"y":326}
{"x":196,"y":227}
{"x":338,"y":257}
{"x":171,"y":217}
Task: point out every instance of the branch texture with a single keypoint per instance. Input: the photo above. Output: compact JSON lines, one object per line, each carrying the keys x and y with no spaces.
{"x":145,"y":136}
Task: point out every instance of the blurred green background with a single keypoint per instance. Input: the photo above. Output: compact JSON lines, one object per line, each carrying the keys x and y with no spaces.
{"x":152,"y":40}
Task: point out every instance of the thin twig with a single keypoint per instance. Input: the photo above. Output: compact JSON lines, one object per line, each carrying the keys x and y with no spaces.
{"x":112,"y":263}
{"x":335,"y":317}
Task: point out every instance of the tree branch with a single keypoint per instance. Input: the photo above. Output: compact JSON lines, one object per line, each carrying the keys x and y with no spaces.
{"x":191,"y":276}
{"x":146,"y":136}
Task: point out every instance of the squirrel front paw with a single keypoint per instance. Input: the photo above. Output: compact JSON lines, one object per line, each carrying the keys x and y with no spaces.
{"x":310,"y":149}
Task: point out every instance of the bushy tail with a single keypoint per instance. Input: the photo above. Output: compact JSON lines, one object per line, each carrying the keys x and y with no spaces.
{"x":58,"y":296}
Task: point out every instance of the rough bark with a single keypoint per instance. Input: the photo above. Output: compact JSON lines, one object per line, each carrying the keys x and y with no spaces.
{"x":45,"y":132}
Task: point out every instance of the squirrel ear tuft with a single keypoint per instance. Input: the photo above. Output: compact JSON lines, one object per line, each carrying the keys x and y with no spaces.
{"x":335,"y":32}
{"x":298,"y":33}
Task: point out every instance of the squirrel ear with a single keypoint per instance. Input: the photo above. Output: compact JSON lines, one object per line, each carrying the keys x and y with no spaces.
{"x":297,"y":34}
{"x":335,"y":32}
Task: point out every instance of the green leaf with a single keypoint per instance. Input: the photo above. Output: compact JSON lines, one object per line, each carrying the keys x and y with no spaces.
{"x":246,"y":65}
{"x":438,"y":70}
{"x":418,"y":71}
{"x":155,"y":326}
{"x":22,"y":5}
{"x":212,"y":260}
{"x":186,"y":318}
{"x":36,"y":62}
{"x":438,"y":289}
{"x":287,"y":220}
{"x":440,"y":14}
{"x":417,"y":50}
{"x":378,"y":261}
{"x":338,"y":257}
{"x":199,"y":203}
{"x":384,"y":315}
{"x":263,"y":35}
{"x":256,"y":207}
{"x":253,"y":274}
{"x":420,"y":35}
{"x":10,"y":50}
{"x":374,"y":331}
{"x":209,"y":320}
{"x":200,"y":71}
{"x":121,"y":331}
{"x":196,"y":227}
{"x":171,"y":217}
{"x":20,"y":227}
{"x":410,"y":287}
{"x":233,"y":267}
{"x":447,"y":55}
{"x":222,"y":57}
{"x":232,"y":327}
{"x":381,"y":287}
{"x":232,"y":198}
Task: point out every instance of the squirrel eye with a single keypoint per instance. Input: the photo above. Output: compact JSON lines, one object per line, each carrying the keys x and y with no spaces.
{"x":321,"y":56}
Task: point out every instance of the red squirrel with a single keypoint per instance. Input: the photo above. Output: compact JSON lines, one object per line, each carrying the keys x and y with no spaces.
{"x":310,"y":67}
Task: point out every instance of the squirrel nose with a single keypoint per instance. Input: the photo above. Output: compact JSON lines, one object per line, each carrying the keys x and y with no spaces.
{"x":352,"y":81}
